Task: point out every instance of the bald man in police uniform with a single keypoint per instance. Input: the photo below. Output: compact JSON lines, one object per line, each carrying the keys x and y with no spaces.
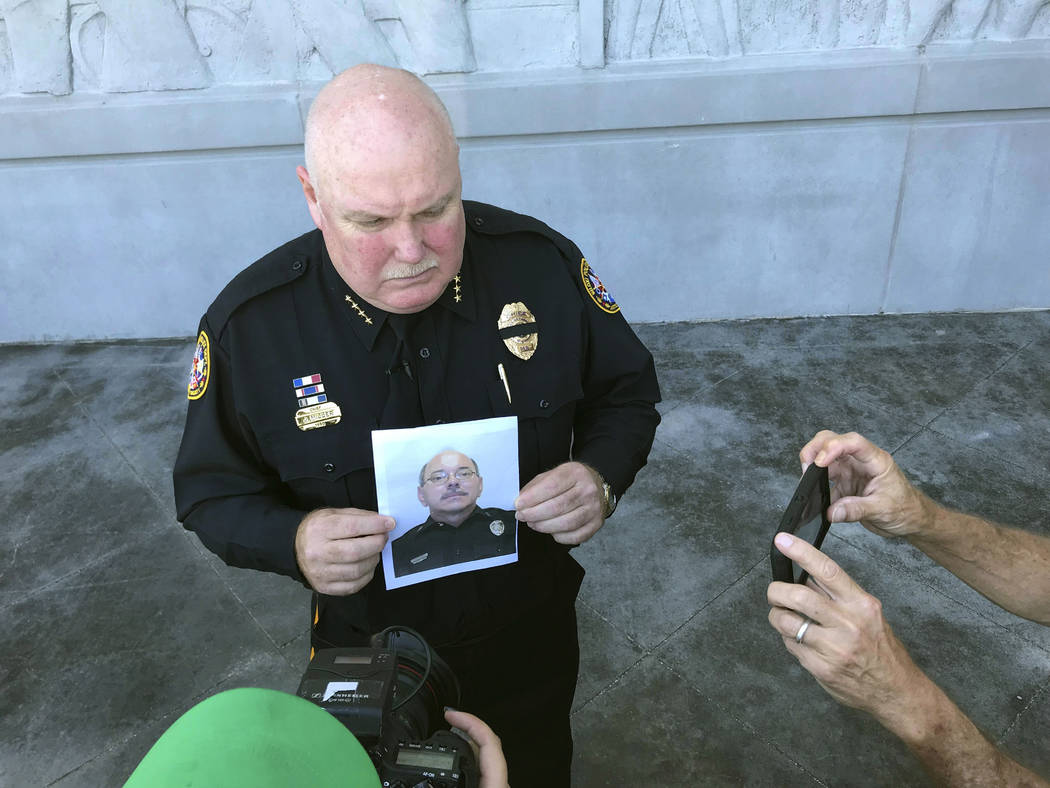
{"x":457,"y":530}
{"x":407,"y":307}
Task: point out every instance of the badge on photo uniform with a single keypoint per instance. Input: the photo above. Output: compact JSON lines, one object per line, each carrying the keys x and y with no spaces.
{"x":315,"y":409}
{"x":518,"y":330}
{"x":497,"y":527}
{"x":598,"y":292}
{"x":201,"y":368}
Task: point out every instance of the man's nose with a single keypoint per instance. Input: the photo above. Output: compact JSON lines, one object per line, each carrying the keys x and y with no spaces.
{"x":408,"y":242}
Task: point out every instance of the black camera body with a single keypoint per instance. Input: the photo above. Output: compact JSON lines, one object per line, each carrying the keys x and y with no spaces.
{"x":393,"y":701}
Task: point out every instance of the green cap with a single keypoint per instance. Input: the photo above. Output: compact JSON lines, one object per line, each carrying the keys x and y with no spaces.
{"x":255,"y":737}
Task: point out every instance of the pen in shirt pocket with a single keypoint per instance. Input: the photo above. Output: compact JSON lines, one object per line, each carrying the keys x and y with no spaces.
{"x":503,"y":376}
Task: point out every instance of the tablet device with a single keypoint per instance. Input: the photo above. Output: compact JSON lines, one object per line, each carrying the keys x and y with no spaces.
{"x":806,"y":517}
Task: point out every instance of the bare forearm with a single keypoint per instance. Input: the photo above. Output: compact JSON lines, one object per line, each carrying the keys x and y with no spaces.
{"x":1009,"y":566}
{"x":949,"y":746}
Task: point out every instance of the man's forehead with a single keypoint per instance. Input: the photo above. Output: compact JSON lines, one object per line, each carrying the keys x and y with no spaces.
{"x":385,"y":185}
{"x":449,"y":459}
{"x":354,"y":204}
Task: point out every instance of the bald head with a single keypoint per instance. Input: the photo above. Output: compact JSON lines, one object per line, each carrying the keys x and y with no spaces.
{"x":368,"y":108}
{"x":383,"y":186}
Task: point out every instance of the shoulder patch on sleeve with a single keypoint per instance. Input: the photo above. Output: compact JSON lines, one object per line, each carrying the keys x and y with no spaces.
{"x":200,"y":368}
{"x":596,"y":290}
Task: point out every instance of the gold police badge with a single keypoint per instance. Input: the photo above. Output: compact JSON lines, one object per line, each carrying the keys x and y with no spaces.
{"x":517,"y":328}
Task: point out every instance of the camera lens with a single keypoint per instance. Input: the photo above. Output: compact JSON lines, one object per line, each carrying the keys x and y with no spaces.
{"x":424,"y":686}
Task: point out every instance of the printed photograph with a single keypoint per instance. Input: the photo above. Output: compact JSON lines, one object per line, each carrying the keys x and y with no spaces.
{"x":451,"y":489}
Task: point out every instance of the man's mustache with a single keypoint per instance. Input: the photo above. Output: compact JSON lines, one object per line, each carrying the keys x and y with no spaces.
{"x":407,"y":271}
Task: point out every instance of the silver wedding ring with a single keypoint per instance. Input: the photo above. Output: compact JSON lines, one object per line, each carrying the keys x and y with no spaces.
{"x":802,"y":631}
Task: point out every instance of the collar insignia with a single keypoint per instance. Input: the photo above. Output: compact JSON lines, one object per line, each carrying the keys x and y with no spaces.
{"x":518,"y":330}
{"x":360,"y":312}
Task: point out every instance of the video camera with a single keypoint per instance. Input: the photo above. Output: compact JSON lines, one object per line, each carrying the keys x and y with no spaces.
{"x":392,"y":696}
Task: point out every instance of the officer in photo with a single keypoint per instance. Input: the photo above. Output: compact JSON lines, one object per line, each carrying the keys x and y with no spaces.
{"x":409,"y":306}
{"x":456,"y":530}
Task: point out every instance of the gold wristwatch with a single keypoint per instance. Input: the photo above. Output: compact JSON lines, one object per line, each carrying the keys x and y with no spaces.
{"x":608,"y":499}
{"x":608,"y":496}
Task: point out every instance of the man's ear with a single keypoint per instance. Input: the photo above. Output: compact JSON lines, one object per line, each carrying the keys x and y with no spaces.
{"x":310,"y":193}
{"x":422,"y":500}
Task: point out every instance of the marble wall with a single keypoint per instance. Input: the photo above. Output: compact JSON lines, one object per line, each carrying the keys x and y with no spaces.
{"x":714,"y":158}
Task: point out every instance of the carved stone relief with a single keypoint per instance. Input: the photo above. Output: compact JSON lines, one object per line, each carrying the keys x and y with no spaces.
{"x":57,"y":46}
{"x":61,"y":46}
{"x":643,"y":29}
{"x":38,"y":44}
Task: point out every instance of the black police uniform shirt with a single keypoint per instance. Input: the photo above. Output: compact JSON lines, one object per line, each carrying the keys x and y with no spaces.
{"x":246,"y":474}
{"x":486,"y":533}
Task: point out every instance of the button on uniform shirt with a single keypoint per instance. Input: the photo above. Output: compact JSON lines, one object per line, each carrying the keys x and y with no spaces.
{"x":287,"y":335}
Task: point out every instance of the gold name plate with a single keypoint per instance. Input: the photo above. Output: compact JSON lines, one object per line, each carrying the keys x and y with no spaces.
{"x":318,"y":416}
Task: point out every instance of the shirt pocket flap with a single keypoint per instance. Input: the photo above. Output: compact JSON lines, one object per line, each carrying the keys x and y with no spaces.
{"x":534,"y":396}
{"x":324,"y":453}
